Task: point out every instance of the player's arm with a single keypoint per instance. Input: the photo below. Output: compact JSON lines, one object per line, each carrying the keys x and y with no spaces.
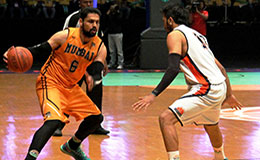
{"x":223,"y":70}
{"x":174,"y":44}
{"x":54,"y":42}
{"x":46,"y":47}
{"x":230,"y":98}
{"x":94,"y":72}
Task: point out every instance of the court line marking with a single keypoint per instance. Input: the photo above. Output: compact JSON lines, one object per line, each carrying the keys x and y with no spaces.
{"x":245,"y":114}
{"x":234,"y":87}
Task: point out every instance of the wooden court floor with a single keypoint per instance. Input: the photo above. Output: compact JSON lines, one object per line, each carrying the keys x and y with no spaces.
{"x":134,"y":136}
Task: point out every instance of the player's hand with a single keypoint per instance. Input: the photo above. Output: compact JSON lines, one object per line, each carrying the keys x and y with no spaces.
{"x":232,"y":102}
{"x":105,"y":70}
{"x":143,"y":102}
{"x":90,"y":81}
{"x":5,"y":57}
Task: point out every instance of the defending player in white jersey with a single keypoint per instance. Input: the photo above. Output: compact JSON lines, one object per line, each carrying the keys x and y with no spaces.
{"x":209,"y":86}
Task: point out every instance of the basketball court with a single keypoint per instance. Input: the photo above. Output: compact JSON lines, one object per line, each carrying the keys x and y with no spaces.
{"x":134,"y":136}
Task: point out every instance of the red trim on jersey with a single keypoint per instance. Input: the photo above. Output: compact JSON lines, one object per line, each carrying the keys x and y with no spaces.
{"x":201,"y":79}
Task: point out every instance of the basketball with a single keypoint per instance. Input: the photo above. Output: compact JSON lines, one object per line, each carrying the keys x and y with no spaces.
{"x":20,"y":59}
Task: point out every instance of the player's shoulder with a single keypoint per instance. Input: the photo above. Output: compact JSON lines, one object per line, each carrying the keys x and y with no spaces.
{"x":175,"y":34}
{"x":61,"y":35}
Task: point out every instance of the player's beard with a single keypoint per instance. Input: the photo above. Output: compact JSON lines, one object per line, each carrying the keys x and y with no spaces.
{"x":169,"y":28}
{"x":89,"y":33}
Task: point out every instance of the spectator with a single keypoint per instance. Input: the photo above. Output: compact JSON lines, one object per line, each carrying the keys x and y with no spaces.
{"x":65,"y":6}
{"x":31,"y":8}
{"x":16,"y":8}
{"x":48,"y":7}
{"x":115,"y":36}
{"x":199,"y":16}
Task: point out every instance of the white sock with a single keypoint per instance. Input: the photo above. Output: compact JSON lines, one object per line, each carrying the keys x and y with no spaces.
{"x":219,"y":153}
{"x":174,"y":155}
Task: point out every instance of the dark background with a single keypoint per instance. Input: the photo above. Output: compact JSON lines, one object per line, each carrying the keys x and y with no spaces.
{"x":235,"y":45}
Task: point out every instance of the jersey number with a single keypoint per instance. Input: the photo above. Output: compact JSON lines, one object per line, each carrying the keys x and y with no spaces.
{"x":202,"y":40}
{"x":73,"y":66}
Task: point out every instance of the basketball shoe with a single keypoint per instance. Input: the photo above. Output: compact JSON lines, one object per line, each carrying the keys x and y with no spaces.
{"x":78,"y":154}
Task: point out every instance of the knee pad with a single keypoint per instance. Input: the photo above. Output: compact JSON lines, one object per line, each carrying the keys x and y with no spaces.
{"x":53,"y":124}
{"x":94,"y":119}
{"x":88,"y":125}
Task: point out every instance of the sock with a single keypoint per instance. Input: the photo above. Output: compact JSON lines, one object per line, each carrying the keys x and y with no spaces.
{"x":74,"y":143}
{"x":32,"y":155}
{"x":174,"y":155}
{"x":219,"y":153}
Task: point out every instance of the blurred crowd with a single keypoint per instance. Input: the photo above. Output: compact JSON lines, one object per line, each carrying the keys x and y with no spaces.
{"x":48,"y":9}
{"x":231,"y":11}
{"x":219,"y":10}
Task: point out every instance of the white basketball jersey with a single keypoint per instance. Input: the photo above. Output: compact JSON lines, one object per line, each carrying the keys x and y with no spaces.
{"x":199,"y":65}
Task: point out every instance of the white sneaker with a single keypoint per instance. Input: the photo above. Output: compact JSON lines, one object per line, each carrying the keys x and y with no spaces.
{"x":119,"y":67}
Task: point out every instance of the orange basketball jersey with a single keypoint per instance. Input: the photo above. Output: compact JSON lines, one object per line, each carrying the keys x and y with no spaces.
{"x":67,"y":64}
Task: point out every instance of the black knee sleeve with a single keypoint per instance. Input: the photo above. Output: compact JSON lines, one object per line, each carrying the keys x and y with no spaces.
{"x":43,"y":134}
{"x":88,"y":125}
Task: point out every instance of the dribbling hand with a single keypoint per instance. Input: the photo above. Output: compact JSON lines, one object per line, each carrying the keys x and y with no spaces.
{"x":5,"y":57}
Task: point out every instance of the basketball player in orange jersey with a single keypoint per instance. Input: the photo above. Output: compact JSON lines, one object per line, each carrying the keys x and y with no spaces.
{"x":209,"y":85}
{"x":74,"y":51}
{"x":96,"y":94}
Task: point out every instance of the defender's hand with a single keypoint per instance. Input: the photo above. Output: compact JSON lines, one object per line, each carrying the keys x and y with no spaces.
{"x":143,"y":102}
{"x":232,"y":102}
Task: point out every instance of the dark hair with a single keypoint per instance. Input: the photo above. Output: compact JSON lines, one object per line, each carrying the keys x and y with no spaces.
{"x":204,"y":4}
{"x":84,"y":13}
{"x":179,"y":14}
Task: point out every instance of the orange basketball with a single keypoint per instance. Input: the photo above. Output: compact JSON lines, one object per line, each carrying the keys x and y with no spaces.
{"x":20,"y":59}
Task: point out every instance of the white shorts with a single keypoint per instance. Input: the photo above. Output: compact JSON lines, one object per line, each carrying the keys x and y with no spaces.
{"x":200,"y":109}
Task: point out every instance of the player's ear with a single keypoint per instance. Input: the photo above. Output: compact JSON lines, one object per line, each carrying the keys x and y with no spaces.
{"x":80,"y":22}
{"x":170,"y":21}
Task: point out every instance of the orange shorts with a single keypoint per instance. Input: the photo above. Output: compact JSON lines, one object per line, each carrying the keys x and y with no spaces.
{"x":56,"y":100}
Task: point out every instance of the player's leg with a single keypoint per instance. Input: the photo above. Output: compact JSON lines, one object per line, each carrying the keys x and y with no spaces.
{"x":41,"y":137}
{"x":96,"y":96}
{"x":58,"y":132}
{"x":81,"y":107}
{"x":86,"y":127}
{"x":118,"y":38}
{"x":50,"y":102}
{"x":216,"y":140}
{"x":167,"y":121}
{"x":112,"y":51}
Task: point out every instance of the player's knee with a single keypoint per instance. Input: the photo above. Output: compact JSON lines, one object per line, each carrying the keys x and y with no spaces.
{"x":167,"y":118}
{"x":94,"y":119}
{"x":99,"y":118}
{"x":53,"y":124}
